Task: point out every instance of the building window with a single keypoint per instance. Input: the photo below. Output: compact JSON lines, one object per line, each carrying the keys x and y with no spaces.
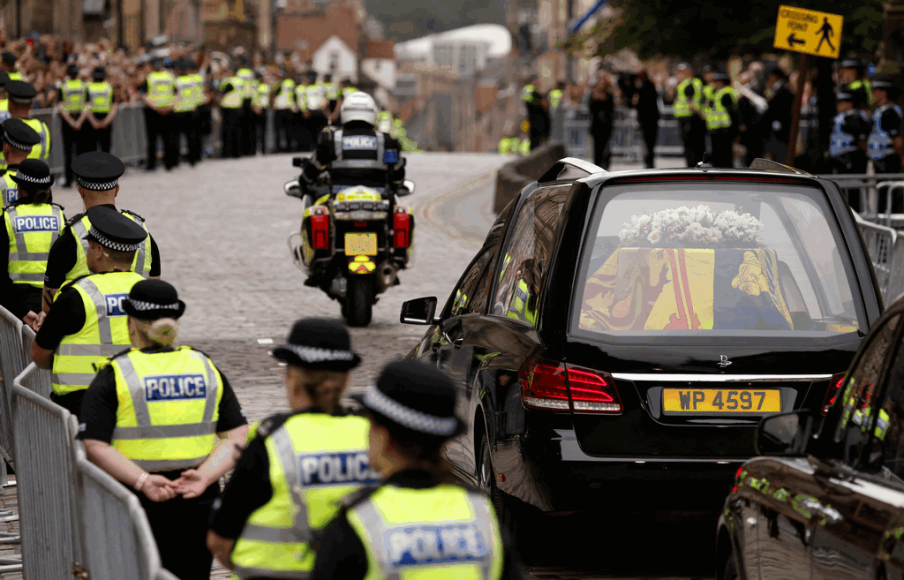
{"x":334,"y":60}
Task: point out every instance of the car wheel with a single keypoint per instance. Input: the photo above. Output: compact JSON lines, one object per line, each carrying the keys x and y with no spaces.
{"x":486,"y":478}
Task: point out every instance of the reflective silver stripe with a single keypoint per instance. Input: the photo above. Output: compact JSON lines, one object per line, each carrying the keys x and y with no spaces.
{"x":378,"y":532}
{"x":81,"y":233}
{"x":103,"y":323}
{"x":27,"y":277}
{"x":142,"y":249}
{"x":289,"y":462}
{"x":136,"y":389}
{"x":42,"y":132}
{"x":169,"y":464}
{"x":29,"y":257}
{"x":714,"y":378}
{"x":105,"y":350}
{"x":20,"y":236}
{"x":272,"y":535}
{"x":165,"y":431}
{"x":243,"y":572}
{"x":72,"y":379}
{"x":23,"y":254}
{"x":213,"y":386}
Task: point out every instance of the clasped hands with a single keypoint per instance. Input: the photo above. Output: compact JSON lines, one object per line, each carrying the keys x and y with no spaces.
{"x":190,"y":485}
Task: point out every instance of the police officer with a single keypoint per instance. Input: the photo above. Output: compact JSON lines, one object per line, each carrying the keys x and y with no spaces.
{"x":402,"y":527}
{"x":556,"y":95}
{"x":537,"y":115}
{"x":331,"y":94}
{"x":32,"y":224}
{"x":523,"y":303}
{"x":284,"y":107}
{"x":184,"y":110}
{"x":249,"y":85}
{"x":101,"y":111}
{"x":151,"y":419}
{"x":688,"y":109}
{"x":18,"y":141}
{"x":317,"y":119}
{"x":847,"y":147}
{"x":721,"y":121}
{"x":158,"y":92}
{"x":8,"y":62}
{"x":4,"y":98}
{"x":850,"y":73}
{"x":201,"y":112}
{"x":21,"y":100}
{"x":232,"y":95}
{"x":358,"y":154}
{"x":298,"y":465}
{"x":259,"y":108}
{"x":86,"y":322}
{"x":97,"y":174}
{"x":72,"y":99}
{"x":885,"y":142}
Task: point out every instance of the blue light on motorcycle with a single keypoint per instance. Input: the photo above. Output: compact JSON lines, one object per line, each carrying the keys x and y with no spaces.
{"x":391,"y":156}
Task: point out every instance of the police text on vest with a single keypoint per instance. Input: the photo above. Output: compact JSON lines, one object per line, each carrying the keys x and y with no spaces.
{"x":358,"y":142}
{"x":37,"y":223}
{"x":174,"y":387}
{"x":114,"y":304}
{"x":336,"y":469}
{"x":416,"y":545}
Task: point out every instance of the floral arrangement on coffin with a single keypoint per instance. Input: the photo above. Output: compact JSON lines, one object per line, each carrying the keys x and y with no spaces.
{"x":691,"y":227}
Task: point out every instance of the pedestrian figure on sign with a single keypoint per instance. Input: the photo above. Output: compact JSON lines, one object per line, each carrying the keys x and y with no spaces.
{"x":827,"y":33}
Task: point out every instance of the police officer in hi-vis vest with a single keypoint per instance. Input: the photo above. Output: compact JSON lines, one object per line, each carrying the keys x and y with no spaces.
{"x":21,"y":102}
{"x":284,"y":113}
{"x":298,"y":465}
{"x":32,"y":224}
{"x":885,"y":144}
{"x":688,"y":110}
{"x":232,"y":95}
{"x":72,"y":98}
{"x":722,"y":121}
{"x":164,"y":421}
{"x":97,"y":174}
{"x":158,"y":92}
{"x":100,"y":112}
{"x":86,"y":322}
{"x":18,"y":141}
{"x":185,"y":108}
{"x":417,"y":522}
{"x":847,"y":145}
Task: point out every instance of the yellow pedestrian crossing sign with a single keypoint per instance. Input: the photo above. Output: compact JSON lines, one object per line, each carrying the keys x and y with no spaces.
{"x":808,"y":31}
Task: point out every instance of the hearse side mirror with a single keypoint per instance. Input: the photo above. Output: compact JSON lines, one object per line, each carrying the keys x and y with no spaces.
{"x":785,"y":434}
{"x":419,"y":311}
{"x":293,"y":189}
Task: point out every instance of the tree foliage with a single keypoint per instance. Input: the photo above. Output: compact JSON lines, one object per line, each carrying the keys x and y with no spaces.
{"x":719,"y":29}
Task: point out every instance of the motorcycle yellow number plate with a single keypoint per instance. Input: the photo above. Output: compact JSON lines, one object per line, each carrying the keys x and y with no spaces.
{"x":722,"y":401}
{"x":361,"y":244}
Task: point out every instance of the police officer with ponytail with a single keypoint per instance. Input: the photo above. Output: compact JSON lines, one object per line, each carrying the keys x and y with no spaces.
{"x":32,"y":225}
{"x":417,"y":520}
{"x":164,"y":421}
{"x":290,"y":479}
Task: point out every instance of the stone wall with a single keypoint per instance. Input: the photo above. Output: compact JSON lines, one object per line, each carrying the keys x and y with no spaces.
{"x":512,"y":178}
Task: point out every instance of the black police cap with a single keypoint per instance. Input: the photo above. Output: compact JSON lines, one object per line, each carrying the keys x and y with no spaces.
{"x":851,"y":63}
{"x":99,"y":73}
{"x":98,"y":171}
{"x":883,"y":82}
{"x":113,"y":230}
{"x":152,"y":300}
{"x":843,"y":95}
{"x":9,"y":59}
{"x":318,"y":344}
{"x":721,"y":76}
{"x":4,"y":78}
{"x":18,"y":134}
{"x":777,"y":71}
{"x":72,"y":70}
{"x":33,"y":174}
{"x":414,"y":400}
{"x":21,"y":92}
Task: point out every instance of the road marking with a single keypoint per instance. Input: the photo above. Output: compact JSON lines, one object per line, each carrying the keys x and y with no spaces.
{"x":265,"y":341}
{"x":427,"y":210}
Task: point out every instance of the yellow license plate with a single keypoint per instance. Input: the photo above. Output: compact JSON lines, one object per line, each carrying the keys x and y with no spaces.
{"x":722,"y":401}
{"x":360,"y":244}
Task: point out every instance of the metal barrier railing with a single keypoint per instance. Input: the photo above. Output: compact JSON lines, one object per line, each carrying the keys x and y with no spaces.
{"x":11,"y":364}
{"x":40,"y":380}
{"x":886,"y":250}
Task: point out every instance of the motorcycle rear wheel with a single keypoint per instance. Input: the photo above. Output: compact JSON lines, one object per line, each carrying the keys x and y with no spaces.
{"x":359,"y":300}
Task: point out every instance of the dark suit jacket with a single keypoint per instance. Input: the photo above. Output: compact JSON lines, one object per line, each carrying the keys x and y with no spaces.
{"x":779,"y":110}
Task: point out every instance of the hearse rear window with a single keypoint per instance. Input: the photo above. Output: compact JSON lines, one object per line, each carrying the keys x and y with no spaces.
{"x":728,"y":258}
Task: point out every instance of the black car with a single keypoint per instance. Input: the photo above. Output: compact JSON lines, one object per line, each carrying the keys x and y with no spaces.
{"x":829,"y":505}
{"x":618,"y":336}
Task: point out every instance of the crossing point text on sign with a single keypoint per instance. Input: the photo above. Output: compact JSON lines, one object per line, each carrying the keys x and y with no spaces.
{"x":808,"y":31}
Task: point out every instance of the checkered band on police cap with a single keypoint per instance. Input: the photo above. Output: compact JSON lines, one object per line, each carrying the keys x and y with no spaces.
{"x":37,"y":180}
{"x":16,"y":144}
{"x":311,"y":354}
{"x":413,"y":419}
{"x":108,"y":243}
{"x":142,"y":306}
{"x":96,"y":185}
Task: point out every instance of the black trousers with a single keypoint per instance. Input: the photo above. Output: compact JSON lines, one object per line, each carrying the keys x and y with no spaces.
{"x":260,"y":134}
{"x":180,"y":529}
{"x":72,"y":402}
{"x":304,"y":141}
{"x":96,"y":139}
{"x":72,"y":146}
{"x":162,"y":126}
{"x":722,"y":154}
{"x":246,"y":142}
{"x":693,"y":135}
{"x":283,"y":120}
{"x":602,"y":153}
{"x":649,"y":131}
{"x":231,"y":132}
{"x":187,"y":124}
{"x":317,"y":121}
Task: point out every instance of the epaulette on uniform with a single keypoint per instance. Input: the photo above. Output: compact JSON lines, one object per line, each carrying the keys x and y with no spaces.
{"x":132,"y":213}
{"x":75,"y":218}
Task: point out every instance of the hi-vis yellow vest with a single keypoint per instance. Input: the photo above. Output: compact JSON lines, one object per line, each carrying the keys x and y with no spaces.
{"x":439,"y":533}
{"x":315,"y":461}
{"x":233,"y":99}
{"x":100,"y":96}
{"x":161,"y":88}
{"x":41,"y":150}
{"x":104,"y":333}
{"x":285,"y":96}
{"x":32,"y":230}
{"x":168,"y":407}
{"x":141,"y":263}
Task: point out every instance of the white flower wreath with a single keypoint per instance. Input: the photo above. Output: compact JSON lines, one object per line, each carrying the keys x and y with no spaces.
{"x":693,"y":226}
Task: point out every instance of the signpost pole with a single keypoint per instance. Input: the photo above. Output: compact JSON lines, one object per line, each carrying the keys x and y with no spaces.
{"x":795,"y":115}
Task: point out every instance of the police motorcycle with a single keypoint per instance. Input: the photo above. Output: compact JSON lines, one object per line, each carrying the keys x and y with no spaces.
{"x":353,"y":239}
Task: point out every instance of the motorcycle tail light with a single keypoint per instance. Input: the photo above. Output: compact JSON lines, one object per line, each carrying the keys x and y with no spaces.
{"x":320,"y":231}
{"x":556,"y":386}
{"x":401,"y":225}
{"x":833,"y":391}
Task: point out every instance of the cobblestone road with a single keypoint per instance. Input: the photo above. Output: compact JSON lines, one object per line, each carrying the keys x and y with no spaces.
{"x":222,"y":230}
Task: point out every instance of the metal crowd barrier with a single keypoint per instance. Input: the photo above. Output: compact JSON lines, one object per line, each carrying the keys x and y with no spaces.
{"x":12,"y":362}
{"x":886,"y":250}
{"x":40,"y":380}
